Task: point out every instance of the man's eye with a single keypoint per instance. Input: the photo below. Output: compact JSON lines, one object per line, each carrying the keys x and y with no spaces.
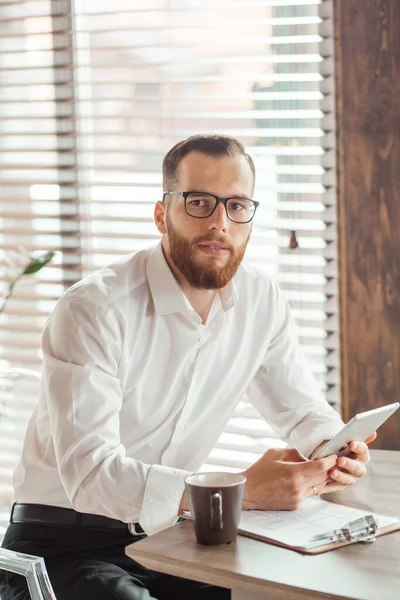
{"x":206,"y":204}
{"x":236,"y":206}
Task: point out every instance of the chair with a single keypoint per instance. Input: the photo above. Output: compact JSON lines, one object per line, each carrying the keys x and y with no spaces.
{"x":19,"y":393}
{"x":33,"y":568}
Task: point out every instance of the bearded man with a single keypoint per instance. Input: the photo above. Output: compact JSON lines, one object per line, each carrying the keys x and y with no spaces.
{"x":143,"y":365}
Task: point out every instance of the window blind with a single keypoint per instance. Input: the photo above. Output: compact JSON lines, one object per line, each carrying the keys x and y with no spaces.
{"x":94,"y":93}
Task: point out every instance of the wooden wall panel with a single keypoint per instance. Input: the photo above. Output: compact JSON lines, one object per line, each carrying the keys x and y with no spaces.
{"x":367,"y":58}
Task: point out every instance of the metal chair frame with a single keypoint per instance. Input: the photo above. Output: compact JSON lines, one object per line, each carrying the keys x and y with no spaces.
{"x":33,"y":568}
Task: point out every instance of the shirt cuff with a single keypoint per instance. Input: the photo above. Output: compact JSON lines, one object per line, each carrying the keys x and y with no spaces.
{"x":321,"y":432}
{"x":162,"y":497}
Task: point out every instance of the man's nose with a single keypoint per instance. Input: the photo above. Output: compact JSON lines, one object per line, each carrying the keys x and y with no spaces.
{"x":219,"y":219}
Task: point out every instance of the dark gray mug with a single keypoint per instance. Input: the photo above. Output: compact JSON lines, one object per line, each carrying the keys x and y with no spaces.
{"x":215,"y":501}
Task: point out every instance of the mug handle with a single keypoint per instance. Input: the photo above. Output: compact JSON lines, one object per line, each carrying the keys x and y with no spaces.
{"x":216,"y":511}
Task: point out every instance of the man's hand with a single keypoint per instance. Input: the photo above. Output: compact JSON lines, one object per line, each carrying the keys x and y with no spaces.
{"x":350,"y":468}
{"x":282,"y":478}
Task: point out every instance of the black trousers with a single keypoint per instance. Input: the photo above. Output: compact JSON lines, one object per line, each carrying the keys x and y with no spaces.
{"x":85,"y":563}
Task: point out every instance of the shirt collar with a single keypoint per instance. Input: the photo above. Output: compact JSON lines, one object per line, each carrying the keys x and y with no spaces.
{"x":229,"y":295}
{"x":167,"y":294}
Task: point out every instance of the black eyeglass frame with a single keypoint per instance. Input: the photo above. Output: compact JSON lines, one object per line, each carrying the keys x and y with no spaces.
{"x":218,"y":200}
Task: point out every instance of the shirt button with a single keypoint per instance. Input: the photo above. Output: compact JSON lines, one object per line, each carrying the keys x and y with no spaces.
{"x":202,"y":340}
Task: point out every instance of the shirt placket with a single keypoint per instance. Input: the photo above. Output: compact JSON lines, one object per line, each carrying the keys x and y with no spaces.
{"x":203,"y":335}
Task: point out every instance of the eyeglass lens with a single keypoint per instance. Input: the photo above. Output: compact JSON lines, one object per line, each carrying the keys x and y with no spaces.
{"x":202,"y":205}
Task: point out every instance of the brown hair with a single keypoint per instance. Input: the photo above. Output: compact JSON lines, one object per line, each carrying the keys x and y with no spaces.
{"x":210,"y":144}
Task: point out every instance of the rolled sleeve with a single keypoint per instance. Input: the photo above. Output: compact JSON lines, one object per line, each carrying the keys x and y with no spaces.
{"x":162,"y":497}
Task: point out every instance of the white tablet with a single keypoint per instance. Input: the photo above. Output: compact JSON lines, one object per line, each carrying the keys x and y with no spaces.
{"x":359,"y":428}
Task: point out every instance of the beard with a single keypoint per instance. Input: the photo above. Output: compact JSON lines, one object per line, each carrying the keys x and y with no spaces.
{"x":202,"y":277}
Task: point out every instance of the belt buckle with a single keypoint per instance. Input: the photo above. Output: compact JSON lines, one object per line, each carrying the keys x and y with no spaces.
{"x":132,"y":529}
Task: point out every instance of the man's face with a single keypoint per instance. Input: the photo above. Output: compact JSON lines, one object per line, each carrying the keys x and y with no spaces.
{"x":208,"y":251}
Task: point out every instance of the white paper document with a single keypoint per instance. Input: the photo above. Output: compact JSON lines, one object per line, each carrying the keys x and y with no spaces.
{"x":296,"y":528}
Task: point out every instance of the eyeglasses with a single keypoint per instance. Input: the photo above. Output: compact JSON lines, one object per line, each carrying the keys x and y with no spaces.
{"x":201,"y":205}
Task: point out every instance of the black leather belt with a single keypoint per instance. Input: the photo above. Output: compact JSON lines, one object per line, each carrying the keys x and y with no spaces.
{"x":66,"y":517}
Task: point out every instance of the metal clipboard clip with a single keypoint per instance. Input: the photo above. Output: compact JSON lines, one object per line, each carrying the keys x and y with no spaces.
{"x":360,"y":530}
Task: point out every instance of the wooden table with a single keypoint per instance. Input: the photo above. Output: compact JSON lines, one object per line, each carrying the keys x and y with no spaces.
{"x":254,"y":570}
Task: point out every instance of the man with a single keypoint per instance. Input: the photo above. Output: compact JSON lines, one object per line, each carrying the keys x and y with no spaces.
{"x":143,"y":364}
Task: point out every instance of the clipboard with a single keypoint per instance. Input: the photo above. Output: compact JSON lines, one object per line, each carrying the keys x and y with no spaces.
{"x":365,"y":530}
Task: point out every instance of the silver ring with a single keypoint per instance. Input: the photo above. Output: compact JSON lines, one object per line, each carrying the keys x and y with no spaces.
{"x":314,"y":489}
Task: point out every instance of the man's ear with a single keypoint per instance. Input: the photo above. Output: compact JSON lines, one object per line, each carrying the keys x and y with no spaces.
{"x":160,"y":214}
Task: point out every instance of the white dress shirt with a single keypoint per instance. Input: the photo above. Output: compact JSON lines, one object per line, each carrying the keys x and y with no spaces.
{"x":136,"y":390}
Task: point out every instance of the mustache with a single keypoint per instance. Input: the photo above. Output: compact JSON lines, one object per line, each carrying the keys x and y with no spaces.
{"x":212,"y":238}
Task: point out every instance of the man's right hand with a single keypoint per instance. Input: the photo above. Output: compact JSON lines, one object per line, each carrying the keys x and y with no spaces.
{"x":282,"y":478}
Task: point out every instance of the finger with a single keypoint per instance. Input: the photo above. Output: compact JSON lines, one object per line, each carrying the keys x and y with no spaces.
{"x":310,"y":492}
{"x":315,"y":489}
{"x":354,"y":467}
{"x":342,"y":477}
{"x":371,"y":438}
{"x":332,"y":487}
{"x":360,"y":449}
{"x":317,"y":466}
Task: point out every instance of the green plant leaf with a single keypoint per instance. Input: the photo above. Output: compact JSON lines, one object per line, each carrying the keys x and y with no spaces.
{"x":38,"y":263}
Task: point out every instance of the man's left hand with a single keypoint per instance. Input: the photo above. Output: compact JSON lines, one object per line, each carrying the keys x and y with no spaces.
{"x":350,"y":468}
